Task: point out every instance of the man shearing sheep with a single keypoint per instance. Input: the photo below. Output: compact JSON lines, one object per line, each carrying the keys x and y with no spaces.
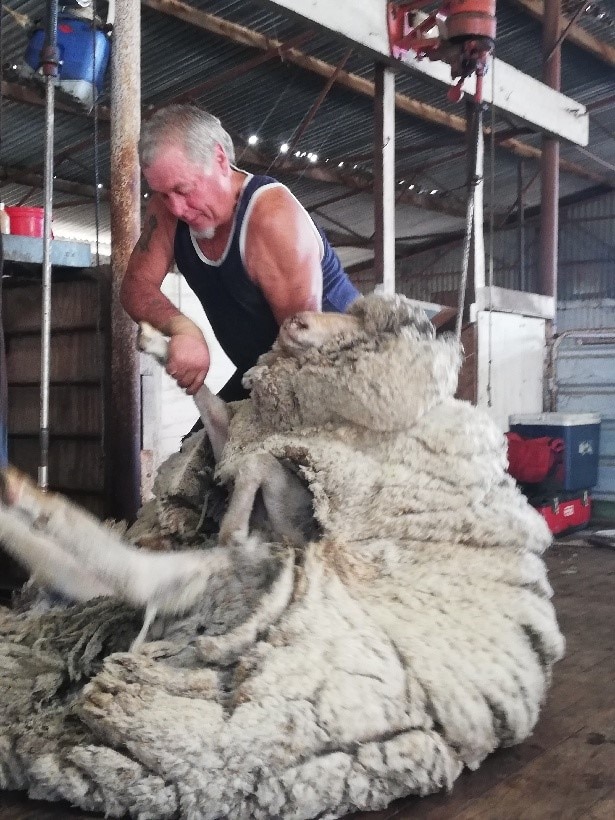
{"x":244,"y":244}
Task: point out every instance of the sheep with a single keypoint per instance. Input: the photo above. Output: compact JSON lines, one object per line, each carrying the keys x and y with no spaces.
{"x":245,"y":706}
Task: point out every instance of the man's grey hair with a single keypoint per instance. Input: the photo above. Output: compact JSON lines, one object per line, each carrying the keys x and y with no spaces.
{"x":195,"y":131}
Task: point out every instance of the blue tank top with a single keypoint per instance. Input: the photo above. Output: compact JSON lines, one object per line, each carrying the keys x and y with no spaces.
{"x":236,"y":308}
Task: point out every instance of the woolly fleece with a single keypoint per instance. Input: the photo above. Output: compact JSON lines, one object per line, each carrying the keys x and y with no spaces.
{"x":413,"y":638}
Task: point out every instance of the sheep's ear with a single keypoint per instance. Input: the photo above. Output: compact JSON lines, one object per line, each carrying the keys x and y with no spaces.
{"x":391,"y":314}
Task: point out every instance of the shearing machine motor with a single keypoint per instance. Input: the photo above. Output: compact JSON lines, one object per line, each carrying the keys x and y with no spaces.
{"x":83,"y":43}
{"x":458,"y":32}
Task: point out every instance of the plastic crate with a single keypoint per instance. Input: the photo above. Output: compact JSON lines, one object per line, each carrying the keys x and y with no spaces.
{"x":581,"y":435}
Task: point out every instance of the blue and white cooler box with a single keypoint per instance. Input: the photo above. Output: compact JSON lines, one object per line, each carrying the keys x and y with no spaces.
{"x":581,"y":435}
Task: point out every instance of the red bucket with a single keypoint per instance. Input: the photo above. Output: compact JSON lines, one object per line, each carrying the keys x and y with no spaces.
{"x":26,"y":221}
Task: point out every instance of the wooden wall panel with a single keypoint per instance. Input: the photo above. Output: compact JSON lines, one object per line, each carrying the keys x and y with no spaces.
{"x":75,"y":356}
{"x":73,"y":409}
{"x":73,"y":305}
{"x":73,"y":464}
{"x":79,"y":320}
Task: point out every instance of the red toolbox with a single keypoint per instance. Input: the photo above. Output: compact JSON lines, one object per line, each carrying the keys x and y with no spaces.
{"x":565,"y":513}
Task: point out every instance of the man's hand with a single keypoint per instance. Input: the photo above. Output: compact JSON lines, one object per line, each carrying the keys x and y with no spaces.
{"x":188,"y":359}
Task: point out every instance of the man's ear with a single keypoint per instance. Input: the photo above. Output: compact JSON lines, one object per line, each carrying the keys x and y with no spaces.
{"x":221,"y":160}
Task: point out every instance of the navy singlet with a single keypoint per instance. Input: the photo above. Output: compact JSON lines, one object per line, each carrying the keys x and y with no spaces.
{"x":236,"y":308}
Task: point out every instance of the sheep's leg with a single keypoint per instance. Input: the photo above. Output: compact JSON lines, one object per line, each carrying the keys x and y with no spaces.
{"x":213,"y":411}
{"x":170,"y":581}
{"x":286,"y":500}
{"x":236,"y":521}
{"x":215,"y":417}
{"x":49,"y":564}
{"x":151,"y":610}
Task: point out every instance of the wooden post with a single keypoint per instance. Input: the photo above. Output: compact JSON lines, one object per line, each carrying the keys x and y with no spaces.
{"x":549,"y":167}
{"x":124,"y":428}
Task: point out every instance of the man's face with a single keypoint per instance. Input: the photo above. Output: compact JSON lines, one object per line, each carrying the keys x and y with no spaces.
{"x":200,"y":197}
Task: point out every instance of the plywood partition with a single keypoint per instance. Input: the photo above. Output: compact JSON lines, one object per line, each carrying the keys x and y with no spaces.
{"x":79,"y":367}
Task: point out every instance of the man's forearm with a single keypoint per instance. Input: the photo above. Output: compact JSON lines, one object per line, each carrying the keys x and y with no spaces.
{"x":146,"y":303}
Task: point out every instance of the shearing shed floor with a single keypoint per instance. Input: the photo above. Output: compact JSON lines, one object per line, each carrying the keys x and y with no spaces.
{"x":566,"y":770}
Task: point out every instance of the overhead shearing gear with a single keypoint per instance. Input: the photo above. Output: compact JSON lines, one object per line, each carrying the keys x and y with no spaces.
{"x":460,"y":33}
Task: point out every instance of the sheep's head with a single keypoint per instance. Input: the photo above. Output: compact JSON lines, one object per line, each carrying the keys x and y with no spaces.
{"x":378,"y":366}
{"x":308,"y":330}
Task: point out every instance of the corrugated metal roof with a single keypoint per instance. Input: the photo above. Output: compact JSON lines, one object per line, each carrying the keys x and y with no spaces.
{"x":271,"y":100}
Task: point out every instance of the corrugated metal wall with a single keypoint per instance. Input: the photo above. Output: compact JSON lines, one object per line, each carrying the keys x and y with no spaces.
{"x":585,"y":314}
{"x":438,"y":271}
{"x":585,"y":373}
{"x":585,"y":376}
{"x":586,"y":257}
{"x":587,"y":250}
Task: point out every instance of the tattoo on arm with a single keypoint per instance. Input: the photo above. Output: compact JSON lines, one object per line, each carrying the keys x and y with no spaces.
{"x":148,"y":229}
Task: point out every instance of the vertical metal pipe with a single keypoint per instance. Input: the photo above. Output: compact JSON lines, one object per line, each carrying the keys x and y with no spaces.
{"x":474,"y":118}
{"x":549,"y":223}
{"x":479,"y":207}
{"x":384,"y":178}
{"x":124,"y":417}
{"x":521,"y":225}
{"x":49,"y":62}
{"x":4,"y":399}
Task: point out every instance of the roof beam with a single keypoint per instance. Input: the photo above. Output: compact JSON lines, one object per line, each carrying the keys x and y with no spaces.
{"x":236,"y":71}
{"x":355,"y":182}
{"x":22,"y":176}
{"x":246,"y":37}
{"x":450,"y":239}
{"x":575,"y":34}
{"x":365,"y":24}
{"x":30,"y":95}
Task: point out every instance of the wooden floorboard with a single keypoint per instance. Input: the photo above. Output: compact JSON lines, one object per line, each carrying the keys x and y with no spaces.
{"x":566,"y":769}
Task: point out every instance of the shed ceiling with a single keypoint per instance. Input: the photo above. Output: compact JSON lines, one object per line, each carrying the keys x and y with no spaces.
{"x":209,"y":56}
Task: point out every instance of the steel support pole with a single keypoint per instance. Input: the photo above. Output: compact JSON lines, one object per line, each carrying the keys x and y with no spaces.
{"x":124,"y":416}
{"x":549,"y":179}
{"x":521,"y":226}
{"x":4,"y":399}
{"x":49,"y":63}
{"x":384,"y":178}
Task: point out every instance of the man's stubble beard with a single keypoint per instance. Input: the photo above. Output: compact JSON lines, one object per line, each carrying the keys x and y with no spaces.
{"x":204,"y":233}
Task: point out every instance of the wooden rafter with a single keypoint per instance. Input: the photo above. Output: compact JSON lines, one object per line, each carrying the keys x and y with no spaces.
{"x":29,"y":95}
{"x":247,"y":37}
{"x":242,"y":35}
{"x":24,"y":176}
{"x":575,"y":34}
{"x":237,"y":70}
{"x":251,"y":157}
{"x":358,"y":183}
